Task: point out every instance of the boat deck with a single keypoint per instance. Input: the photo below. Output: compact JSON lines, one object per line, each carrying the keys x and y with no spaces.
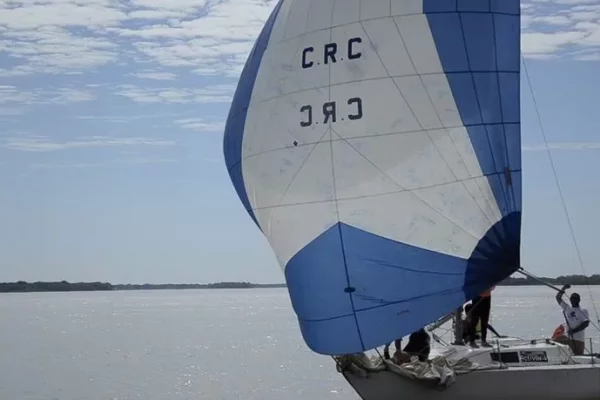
{"x":539,"y":370}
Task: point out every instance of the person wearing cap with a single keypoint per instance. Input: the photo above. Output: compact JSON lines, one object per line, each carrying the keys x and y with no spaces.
{"x":577,"y":319}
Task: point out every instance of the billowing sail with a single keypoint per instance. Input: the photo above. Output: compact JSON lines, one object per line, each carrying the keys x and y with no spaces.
{"x":376,"y":144}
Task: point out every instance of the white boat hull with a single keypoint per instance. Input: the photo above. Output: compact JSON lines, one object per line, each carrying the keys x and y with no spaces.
{"x":556,"y":382}
{"x":530,"y":370}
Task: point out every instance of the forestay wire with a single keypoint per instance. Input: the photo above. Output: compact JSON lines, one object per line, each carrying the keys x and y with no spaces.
{"x":560,"y":192}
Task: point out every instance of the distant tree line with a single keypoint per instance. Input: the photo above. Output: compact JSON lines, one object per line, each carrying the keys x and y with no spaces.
{"x":64,"y":286}
{"x":574,"y":280}
{"x":218,"y":285}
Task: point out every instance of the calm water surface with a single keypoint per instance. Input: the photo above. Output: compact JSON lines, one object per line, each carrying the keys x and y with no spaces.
{"x":194,"y":344}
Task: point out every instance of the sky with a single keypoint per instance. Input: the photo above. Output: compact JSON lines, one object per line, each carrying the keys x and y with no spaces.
{"x":111,"y":128}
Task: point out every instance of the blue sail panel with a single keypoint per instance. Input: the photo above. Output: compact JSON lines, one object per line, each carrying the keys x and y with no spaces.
{"x":235,"y":126}
{"x":378,"y":150}
{"x":387,"y":284}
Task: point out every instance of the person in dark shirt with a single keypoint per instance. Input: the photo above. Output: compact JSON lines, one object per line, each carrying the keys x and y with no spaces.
{"x":419,"y":344}
{"x":386,"y":350}
{"x":468,"y":326}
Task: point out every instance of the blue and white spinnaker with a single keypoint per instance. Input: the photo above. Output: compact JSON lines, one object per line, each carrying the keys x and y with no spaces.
{"x":376,"y":144}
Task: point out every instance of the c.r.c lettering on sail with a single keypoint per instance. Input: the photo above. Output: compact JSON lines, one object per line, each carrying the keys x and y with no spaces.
{"x":330,"y":112}
{"x":329,"y":54}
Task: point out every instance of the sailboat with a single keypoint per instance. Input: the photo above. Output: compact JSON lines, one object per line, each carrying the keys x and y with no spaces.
{"x":377,"y":146}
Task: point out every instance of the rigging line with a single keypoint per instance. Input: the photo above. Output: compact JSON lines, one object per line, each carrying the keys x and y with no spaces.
{"x":560,"y":192}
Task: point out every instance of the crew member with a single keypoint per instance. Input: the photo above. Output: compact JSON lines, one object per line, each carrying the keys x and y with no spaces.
{"x":578,"y":319}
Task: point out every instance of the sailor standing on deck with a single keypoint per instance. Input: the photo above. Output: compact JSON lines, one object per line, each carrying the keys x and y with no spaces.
{"x":482,"y":305}
{"x":466,"y":326}
{"x":577,"y":319}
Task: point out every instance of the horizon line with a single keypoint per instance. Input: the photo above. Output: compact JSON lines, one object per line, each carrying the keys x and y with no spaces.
{"x":250,"y":282}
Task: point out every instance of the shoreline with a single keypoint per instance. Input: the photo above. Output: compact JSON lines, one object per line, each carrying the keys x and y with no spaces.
{"x":65,"y":286}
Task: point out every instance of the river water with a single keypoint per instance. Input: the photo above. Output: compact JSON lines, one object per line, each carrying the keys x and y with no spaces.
{"x":195,"y":344}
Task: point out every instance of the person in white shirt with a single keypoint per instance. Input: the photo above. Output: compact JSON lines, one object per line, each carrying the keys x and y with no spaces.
{"x":577,"y":319}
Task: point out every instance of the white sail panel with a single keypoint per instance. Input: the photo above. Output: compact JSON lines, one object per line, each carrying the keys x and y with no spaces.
{"x":276,"y":221}
{"x":320,"y":14}
{"x":407,"y":7}
{"x":350,"y":100}
{"x":384,"y":36}
{"x":420,"y":226}
{"x":374,"y":9}
{"x":265,"y":118}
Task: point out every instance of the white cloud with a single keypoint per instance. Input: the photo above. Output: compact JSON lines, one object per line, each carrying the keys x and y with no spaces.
{"x":37,"y":14}
{"x":208,"y":37}
{"x":209,"y":94}
{"x":215,"y":43}
{"x":560,"y":28}
{"x":11,"y":94}
{"x":159,"y":76}
{"x":200,"y":124}
{"x":66,"y":96}
{"x":575,"y":1}
{"x":162,"y":40}
{"x":204,"y":56}
{"x":566,"y":2}
{"x":142,"y":51}
{"x":563,"y":146}
{"x":128,"y":118}
{"x":593,"y":38}
{"x":586,"y":26}
{"x":526,"y":21}
{"x":178,"y":5}
{"x":43,"y":143}
{"x":156,"y":14}
{"x":224,"y":20}
{"x":559,"y":20}
{"x":53,"y":49}
{"x":539,"y":43}
{"x":60,"y":36}
{"x":584,"y":15}
{"x":118,"y":161}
